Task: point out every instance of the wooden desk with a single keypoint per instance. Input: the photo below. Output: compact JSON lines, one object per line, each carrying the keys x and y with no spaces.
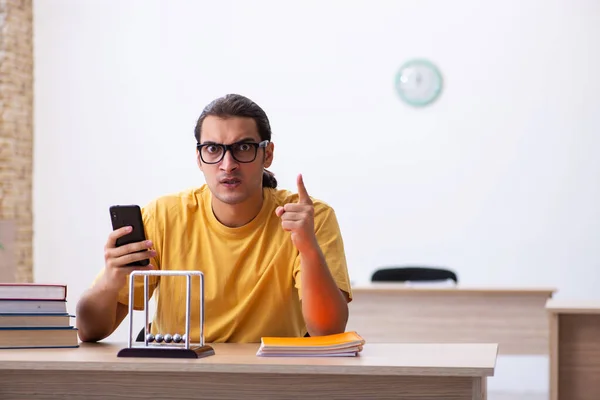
{"x":574,"y":350}
{"x":516,"y":319}
{"x":382,"y":371}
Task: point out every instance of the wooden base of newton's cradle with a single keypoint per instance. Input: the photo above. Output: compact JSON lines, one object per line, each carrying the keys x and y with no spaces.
{"x":167,"y":352}
{"x":184,"y":350}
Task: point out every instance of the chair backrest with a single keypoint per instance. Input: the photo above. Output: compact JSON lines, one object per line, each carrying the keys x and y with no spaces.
{"x":141,"y":337}
{"x":413,"y":274}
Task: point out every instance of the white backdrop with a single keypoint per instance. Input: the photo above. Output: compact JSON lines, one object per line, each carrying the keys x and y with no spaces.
{"x":498,"y":180}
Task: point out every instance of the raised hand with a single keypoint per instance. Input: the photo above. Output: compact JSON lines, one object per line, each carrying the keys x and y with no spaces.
{"x":117,"y":258}
{"x":298,"y":218}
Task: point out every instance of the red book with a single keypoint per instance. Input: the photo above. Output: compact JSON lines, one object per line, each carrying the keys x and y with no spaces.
{"x":32,"y":291}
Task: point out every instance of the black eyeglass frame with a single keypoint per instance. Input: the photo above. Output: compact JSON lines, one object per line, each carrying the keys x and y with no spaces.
{"x":229,"y":147}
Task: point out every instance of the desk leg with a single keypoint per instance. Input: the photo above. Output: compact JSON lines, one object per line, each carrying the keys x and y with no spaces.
{"x":578,"y":357}
{"x":480,"y":388}
{"x":554,"y":357}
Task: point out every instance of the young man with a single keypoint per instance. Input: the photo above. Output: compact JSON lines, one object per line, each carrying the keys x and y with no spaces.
{"x":273,"y":261}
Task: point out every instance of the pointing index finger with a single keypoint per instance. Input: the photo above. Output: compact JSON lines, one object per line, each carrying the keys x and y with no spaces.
{"x":303,"y":197}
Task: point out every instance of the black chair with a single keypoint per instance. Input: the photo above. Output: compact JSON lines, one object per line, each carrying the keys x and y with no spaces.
{"x":142,"y":334}
{"x":413,"y":274}
{"x":141,"y":337}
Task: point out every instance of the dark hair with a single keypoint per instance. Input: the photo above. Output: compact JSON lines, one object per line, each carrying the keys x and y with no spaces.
{"x":235,"y":105}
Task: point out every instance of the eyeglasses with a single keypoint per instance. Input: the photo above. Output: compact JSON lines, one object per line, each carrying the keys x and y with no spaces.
{"x":243,"y":152}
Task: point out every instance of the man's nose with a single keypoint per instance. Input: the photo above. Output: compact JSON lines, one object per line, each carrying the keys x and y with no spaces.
{"x":228,"y":163}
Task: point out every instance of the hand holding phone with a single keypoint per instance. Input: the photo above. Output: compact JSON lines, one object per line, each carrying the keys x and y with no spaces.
{"x":130,"y":217}
{"x":126,"y":248}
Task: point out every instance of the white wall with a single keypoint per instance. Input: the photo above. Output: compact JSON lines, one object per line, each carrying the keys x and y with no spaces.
{"x":497,"y":180}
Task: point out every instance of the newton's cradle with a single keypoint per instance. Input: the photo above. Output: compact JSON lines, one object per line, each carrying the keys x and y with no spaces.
{"x":167,"y":345}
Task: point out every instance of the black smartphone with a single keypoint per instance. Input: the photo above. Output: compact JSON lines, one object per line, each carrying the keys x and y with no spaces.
{"x":129,"y":215}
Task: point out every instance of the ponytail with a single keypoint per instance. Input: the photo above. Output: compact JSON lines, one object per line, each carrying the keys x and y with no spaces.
{"x":269,"y":180}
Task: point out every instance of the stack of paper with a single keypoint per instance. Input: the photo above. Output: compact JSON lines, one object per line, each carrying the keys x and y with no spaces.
{"x":342,"y":344}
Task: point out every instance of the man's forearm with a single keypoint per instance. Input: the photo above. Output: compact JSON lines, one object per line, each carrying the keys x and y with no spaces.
{"x":324,"y":307}
{"x":96,"y":313}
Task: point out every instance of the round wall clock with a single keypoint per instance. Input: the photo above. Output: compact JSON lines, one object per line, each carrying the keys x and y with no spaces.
{"x":418,"y":82}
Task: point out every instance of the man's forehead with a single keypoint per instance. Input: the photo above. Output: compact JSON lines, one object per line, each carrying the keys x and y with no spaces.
{"x":229,"y":129}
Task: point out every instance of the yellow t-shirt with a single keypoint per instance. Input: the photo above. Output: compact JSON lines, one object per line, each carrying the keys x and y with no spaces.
{"x":251,"y":273}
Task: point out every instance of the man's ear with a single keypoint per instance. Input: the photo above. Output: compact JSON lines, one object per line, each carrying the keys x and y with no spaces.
{"x":269,"y":150}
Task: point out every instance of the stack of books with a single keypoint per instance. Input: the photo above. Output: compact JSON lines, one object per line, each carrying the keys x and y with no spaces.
{"x":346,"y":344}
{"x":35,"y":316}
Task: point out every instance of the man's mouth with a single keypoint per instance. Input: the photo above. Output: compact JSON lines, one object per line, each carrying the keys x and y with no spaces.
{"x":230,"y":182}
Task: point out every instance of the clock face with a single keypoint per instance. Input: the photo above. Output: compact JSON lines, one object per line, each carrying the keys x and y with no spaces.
{"x":418,"y":82}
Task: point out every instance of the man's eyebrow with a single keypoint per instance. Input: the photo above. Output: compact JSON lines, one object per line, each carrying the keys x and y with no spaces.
{"x":244,"y":140}
{"x":247,"y":139}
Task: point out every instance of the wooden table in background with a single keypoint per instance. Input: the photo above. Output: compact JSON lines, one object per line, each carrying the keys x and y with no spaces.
{"x":381,"y":371}
{"x":574,"y":350}
{"x":516,"y":319}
